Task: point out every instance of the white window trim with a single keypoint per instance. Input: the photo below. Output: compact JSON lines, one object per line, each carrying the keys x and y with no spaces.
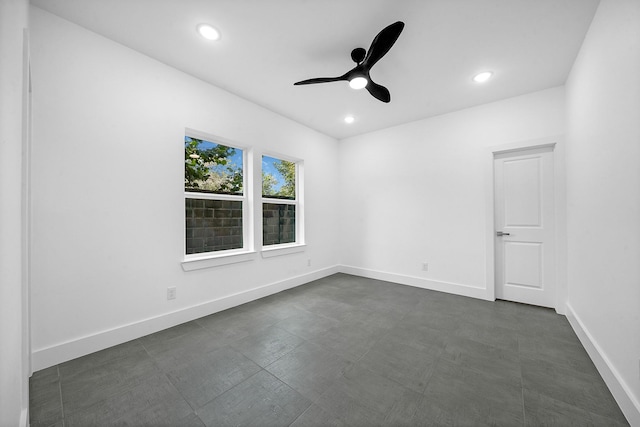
{"x":230,"y":256}
{"x":299,"y":245}
{"x":283,"y":249}
{"x":279,"y":201}
{"x":208,"y":260}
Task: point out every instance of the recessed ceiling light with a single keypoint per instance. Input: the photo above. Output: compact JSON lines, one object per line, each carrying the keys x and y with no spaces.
{"x":482,"y":77}
{"x":349,"y":119}
{"x":208,"y":32}
{"x":358,"y":83}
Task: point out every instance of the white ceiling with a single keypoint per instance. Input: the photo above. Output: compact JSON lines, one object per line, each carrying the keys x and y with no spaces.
{"x":267,"y":45}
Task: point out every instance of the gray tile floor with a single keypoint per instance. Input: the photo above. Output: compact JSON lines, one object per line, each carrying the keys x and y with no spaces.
{"x":341,"y":351}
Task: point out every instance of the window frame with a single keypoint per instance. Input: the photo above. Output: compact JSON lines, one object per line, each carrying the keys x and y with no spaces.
{"x":225,"y":256}
{"x":299,"y":244}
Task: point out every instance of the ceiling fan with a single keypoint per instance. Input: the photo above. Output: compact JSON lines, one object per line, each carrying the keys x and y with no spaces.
{"x":358,"y":77}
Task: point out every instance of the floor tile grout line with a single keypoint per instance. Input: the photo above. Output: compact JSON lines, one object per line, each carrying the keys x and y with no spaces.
{"x":60,"y":392}
{"x":328,"y":409}
{"x":182,"y":395}
{"x":231,"y":345}
{"x":247,"y":379}
{"x":524,"y":411}
{"x":301,"y":413}
{"x":388,"y":379}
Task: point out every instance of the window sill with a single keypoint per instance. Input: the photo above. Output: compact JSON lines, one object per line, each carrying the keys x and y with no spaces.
{"x":208,"y":261}
{"x":286,"y":249}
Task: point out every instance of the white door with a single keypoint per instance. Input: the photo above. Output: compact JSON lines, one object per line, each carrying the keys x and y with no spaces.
{"x":524,"y":226}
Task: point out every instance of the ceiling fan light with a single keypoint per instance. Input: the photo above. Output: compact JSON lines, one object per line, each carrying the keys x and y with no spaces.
{"x":208,"y":32}
{"x":482,"y":77}
{"x":358,"y":83}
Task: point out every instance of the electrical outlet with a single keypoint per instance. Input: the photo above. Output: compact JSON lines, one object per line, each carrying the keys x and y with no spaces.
{"x":309,"y":262}
{"x":171,"y":292}
{"x":425,"y":266}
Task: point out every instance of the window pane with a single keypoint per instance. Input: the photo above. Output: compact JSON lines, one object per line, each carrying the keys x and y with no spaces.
{"x":278,"y":224}
{"x":213,"y":225}
{"x":278,"y":178}
{"x":211,"y":167}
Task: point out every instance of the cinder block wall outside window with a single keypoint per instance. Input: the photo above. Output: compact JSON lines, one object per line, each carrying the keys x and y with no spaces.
{"x":213,"y":225}
{"x":278,"y":224}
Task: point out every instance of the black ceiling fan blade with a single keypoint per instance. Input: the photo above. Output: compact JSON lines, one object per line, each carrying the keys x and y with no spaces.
{"x":382,"y":43}
{"x":378,"y":91}
{"x":320,"y":80}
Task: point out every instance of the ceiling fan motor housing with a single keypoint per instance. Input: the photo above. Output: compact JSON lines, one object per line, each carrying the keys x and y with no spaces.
{"x":358,"y":55}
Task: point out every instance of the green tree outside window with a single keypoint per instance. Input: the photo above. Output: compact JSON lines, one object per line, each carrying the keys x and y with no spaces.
{"x":211,"y":167}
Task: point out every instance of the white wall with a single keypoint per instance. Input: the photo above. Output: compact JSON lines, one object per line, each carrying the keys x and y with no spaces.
{"x":418,"y":192}
{"x":603,"y":188}
{"x":108,"y":209}
{"x":14,"y":362}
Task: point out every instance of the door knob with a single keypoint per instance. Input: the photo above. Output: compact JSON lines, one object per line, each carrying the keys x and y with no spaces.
{"x":501,"y":233}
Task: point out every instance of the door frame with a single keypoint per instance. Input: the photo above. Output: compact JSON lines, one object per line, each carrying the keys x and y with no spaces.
{"x":556,"y":143}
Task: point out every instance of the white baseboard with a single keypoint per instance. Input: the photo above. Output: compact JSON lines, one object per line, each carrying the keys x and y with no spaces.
{"x":24,"y":417}
{"x":50,"y":356}
{"x":621,"y":392}
{"x":419,"y":282}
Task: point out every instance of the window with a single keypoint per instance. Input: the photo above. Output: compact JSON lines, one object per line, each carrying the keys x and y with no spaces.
{"x":281,"y":208}
{"x":215,"y":201}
